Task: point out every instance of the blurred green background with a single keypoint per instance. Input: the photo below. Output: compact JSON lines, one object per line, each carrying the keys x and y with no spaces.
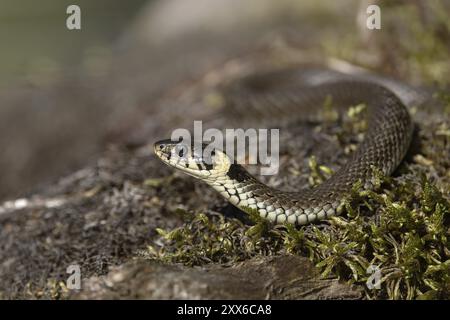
{"x":35,"y":40}
{"x":52,"y":101}
{"x":67,"y":95}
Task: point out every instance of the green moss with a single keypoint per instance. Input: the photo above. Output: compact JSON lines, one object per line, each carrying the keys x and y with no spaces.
{"x":212,"y":238}
{"x":407,"y":238}
{"x":53,"y":289}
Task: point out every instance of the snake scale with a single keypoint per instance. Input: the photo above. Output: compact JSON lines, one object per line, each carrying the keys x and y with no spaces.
{"x":386,"y":141}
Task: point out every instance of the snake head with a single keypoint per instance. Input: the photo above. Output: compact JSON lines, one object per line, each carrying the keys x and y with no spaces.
{"x":198,"y":160}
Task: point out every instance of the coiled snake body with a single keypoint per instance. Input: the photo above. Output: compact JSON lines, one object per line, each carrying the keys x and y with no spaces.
{"x":388,"y":136}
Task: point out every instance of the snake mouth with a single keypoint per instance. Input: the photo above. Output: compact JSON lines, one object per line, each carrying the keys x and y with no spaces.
{"x":164,"y":149}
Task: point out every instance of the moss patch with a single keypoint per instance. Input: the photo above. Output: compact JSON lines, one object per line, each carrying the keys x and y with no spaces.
{"x":402,"y":228}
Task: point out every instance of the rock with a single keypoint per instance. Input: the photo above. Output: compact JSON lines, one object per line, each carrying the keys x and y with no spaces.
{"x":277,"y":277}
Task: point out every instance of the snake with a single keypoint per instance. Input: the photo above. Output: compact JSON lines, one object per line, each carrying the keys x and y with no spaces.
{"x":302,"y":92}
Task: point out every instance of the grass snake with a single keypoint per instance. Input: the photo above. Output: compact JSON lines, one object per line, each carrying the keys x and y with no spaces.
{"x":301,"y":92}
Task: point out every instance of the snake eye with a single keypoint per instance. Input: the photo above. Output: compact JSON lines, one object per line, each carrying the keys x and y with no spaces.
{"x":181,"y":150}
{"x":161,"y":146}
